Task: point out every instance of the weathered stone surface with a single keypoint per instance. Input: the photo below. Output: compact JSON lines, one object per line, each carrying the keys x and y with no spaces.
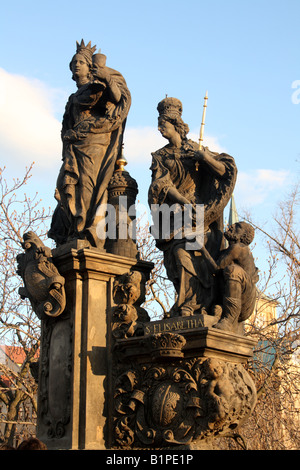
{"x":76,"y":361}
{"x":207,"y":277}
{"x":109,"y":378}
{"x":43,"y":284}
{"x":176,"y":181}
{"x":122,"y":192}
{"x":92,"y":135}
{"x":180,"y":384}
{"x":199,"y":340}
{"x":128,"y":315}
{"x":170,"y":400}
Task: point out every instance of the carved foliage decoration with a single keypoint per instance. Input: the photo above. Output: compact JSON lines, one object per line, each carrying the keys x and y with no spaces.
{"x":166,"y":345}
{"x":43,"y":285}
{"x":171,"y":404}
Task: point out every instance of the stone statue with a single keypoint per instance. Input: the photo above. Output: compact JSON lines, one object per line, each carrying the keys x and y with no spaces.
{"x":92,"y":134}
{"x":128,"y":295}
{"x":188,"y":177}
{"x":43,"y":285}
{"x":174,"y":383}
{"x":239,"y":276}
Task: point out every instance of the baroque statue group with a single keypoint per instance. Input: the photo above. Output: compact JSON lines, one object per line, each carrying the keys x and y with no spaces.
{"x":214,"y":279}
{"x":211,"y":266}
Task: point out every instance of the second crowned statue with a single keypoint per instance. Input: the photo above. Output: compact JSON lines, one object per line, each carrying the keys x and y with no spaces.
{"x":184,"y":176}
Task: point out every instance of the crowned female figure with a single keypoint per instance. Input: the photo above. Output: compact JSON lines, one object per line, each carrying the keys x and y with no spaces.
{"x":185,"y":177}
{"x":92,"y":134}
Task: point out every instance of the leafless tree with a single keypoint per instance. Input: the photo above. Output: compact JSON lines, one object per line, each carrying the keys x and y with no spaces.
{"x":275,"y":323}
{"x":275,"y":368}
{"x":19,"y":326}
{"x":160,"y":295}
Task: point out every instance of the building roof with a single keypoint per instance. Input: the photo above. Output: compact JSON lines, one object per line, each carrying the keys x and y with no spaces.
{"x":13,"y":353}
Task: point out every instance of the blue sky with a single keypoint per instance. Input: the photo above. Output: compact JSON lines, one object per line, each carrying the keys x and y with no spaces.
{"x":245,"y":53}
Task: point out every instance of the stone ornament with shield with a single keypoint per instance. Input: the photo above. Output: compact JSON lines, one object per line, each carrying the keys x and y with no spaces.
{"x":109,"y":376}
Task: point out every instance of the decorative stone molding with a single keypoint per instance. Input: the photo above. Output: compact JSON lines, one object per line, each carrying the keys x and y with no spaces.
{"x":128,"y":316}
{"x":43,"y":284}
{"x":165,"y":405}
{"x":166,"y":345}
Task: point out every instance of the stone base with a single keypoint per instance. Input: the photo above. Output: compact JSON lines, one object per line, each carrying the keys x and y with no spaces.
{"x":175,"y":384}
{"x":74,"y":398}
{"x":180,"y":388}
{"x":201,"y":340}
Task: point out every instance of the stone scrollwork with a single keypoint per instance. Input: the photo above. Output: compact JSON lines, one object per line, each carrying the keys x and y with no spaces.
{"x":171,"y":404}
{"x":43,"y":285}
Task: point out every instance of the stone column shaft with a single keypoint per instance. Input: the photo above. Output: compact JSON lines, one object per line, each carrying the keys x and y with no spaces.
{"x":74,"y":381}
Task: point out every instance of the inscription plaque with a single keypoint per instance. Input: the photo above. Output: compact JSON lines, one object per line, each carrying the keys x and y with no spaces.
{"x":169,"y":325}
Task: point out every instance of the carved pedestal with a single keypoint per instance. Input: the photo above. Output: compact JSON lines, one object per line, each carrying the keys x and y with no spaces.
{"x":180,"y":384}
{"x":75,"y":398}
{"x":109,"y":378}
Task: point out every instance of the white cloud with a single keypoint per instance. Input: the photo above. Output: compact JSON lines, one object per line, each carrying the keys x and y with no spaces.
{"x":29,"y":130}
{"x":140,"y":142}
{"x":254,"y":187}
{"x":208,"y":141}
